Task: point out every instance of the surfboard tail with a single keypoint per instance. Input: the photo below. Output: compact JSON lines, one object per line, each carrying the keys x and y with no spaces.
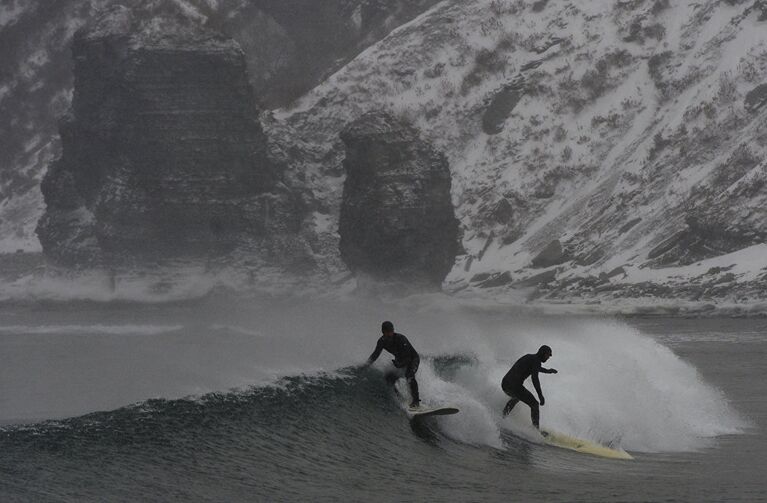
{"x":584,"y":446}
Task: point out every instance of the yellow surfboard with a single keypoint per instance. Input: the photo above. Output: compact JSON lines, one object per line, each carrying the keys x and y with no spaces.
{"x":584,"y":446}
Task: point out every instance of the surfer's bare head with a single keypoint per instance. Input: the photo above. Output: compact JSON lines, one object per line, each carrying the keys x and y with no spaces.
{"x":544,"y":353}
{"x":387,"y":328}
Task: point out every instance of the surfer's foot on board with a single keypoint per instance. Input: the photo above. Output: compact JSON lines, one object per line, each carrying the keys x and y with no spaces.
{"x":415,"y":405}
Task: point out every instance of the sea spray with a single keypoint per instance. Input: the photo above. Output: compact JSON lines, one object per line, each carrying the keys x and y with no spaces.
{"x":615,"y":386}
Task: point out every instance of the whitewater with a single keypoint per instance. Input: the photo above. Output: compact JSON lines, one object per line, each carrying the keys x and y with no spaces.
{"x":226,"y":398}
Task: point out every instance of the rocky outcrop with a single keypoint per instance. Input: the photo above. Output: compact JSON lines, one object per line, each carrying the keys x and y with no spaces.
{"x":491,"y":280}
{"x":715,"y":222}
{"x":552,"y":254}
{"x":755,"y":98}
{"x":501,"y":106}
{"x":163,"y":154}
{"x":397,"y":220}
{"x":292,"y":45}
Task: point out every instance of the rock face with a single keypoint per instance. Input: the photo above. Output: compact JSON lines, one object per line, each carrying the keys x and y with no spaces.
{"x":397,"y":220}
{"x":295,"y":44}
{"x":500,"y":107}
{"x":290,"y":46}
{"x":552,"y":254}
{"x":755,"y":98}
{"x":163,"y":154}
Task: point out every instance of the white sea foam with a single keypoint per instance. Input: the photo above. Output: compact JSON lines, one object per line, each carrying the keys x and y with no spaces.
{"x":614,"y":386}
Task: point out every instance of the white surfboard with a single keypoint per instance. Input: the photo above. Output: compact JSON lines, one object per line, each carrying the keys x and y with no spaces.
{"x":426,"y":411}
{"x":585,"y":446}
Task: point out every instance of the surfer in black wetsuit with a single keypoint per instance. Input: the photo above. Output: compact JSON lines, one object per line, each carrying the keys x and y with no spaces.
{"x":528,"y":365}
{"x":406,"y":359}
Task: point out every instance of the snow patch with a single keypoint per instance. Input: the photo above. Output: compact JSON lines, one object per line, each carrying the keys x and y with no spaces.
{"x":746,"y":265}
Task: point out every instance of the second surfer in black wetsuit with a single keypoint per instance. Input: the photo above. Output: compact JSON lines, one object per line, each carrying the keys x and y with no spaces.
{"x":406,"y":359}
{"x":512,"y":384}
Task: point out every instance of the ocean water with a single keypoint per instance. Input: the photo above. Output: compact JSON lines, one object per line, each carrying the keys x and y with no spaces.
{"x":231,"y":399}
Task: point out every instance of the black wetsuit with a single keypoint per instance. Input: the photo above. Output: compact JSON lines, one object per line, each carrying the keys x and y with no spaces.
{"x":405,"y":357}
{"x":512,"y":384}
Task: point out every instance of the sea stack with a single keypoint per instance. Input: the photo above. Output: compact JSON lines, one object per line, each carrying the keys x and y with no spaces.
{"x":163,"y":157}
{"x":397,"y":220}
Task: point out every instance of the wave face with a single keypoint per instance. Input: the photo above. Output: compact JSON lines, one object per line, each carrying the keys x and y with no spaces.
{"x":318,"y":426}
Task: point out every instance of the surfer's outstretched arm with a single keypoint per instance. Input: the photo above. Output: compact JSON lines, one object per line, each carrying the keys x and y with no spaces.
{"x":377,"y":352}
{"x":548,"y":371}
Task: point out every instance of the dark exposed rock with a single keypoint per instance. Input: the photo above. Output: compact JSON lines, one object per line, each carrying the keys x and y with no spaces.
{"x":539,"y":279}
{"x":761,"y":7}
{"x":591,"y":258}
{"x":716,"y":270}
{"x":666,"y":245}
{"x":486,"y":246}
{"x":552,"y":254}
{"x":617,"y":271}
{"x":478,"y":278}
{"x":511,"y":235}
{"x":710,"y":232}
{"x":531,"y":65}
{"x":163,"y":154}
{"x":605,"y":277}
{"x":756,"y":98}
{"x":503,"y":211}
{"x":606,"y":287}
{"x":397,"y":220}
{"x":648,"y":288}
{"x":628,"y":225}
{"x":292,"y":45}
{"x":495,"y":280}
{"x":714,"y":224}
{"x":725,"y":278}
{"x":500,"y":107}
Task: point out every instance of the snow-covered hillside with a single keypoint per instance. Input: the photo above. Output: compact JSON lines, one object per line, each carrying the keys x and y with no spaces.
{"x":617,"y":138}
{"x":599,"y":149}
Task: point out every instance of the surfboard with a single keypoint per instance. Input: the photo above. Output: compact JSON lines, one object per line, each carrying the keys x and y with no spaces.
{"x":579,"y":445}
{"x":426,"y":411}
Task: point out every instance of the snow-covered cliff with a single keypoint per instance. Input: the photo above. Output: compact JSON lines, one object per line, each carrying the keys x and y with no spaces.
{"x":598,"y":149}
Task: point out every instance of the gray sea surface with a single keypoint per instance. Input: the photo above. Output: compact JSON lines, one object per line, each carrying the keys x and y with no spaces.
{"x":226,"y":399}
